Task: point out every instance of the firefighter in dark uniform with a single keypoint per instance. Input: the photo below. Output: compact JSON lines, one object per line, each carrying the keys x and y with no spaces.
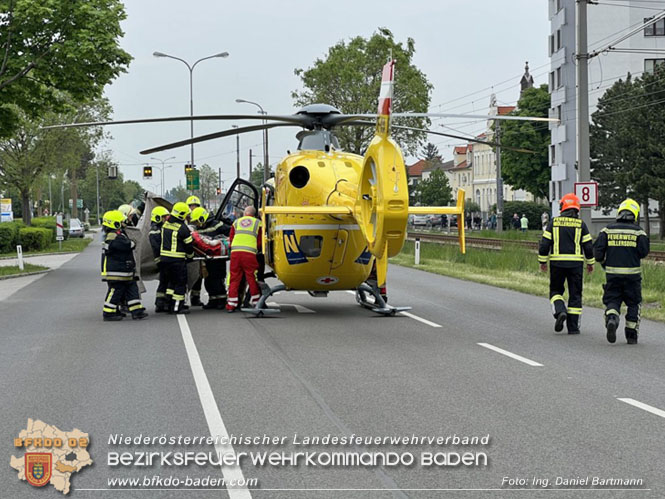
{"x":176,"y":249}
{"x":566,"y":244}
{"x":216,"y":269}
{"x":158,"y":217}
{"x":118,"y":270}
{"x":194,"y":202}
{"x":619,"y":248}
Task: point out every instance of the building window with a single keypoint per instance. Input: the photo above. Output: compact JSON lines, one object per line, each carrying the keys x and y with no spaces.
{"x":552,"y":87}
{"x":552,"y":154}
{"x":559,"y":80}
{"x":559,"y":4}
{"x":551,"y":45}
{"x":558,"y":112}
{"x":655,"y":29}
{"x":650,"y":64}
{"x":559,"y":40}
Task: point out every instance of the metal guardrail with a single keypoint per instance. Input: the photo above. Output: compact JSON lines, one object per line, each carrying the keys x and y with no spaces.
{"x":497,"y":244}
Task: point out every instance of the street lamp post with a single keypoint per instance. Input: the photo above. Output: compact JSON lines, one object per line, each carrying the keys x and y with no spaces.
{"x":191,"y":88}
{"x":163,"y":161}
{"x":266,"y":170}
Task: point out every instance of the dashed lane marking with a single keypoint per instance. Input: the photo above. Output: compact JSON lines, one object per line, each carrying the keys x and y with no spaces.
{"x":643,"y":406}
{"x":232,"y":474}
{"x":410,"y":315}
{"x":511,"y":355}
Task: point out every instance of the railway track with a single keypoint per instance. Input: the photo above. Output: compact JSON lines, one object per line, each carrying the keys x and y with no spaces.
{"x":497,"y":244}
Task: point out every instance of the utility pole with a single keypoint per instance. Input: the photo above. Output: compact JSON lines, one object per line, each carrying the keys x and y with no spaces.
{"x":237,"y":153}
{"x":582,"y":57}
{"x":250,"y":166}
{"x":499,"y":180}
{"x":266,"y":159}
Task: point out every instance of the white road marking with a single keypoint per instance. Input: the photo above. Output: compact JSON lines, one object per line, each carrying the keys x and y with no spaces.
{"x":648,"y":408}
{"x":409,"y":314}
{"x":511,"y":355}
{"x":301,"y":292}
{"x":420,"y":319}
{"x":300,"y":308}
{"x":232,"y":474}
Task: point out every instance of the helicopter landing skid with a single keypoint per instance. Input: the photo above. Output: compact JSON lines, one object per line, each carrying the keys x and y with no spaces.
{"x":261,"y":309}
{"x":378,"y":305}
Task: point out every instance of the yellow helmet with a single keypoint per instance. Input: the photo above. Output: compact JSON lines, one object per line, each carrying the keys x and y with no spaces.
{"x":193,"y":200}
{"x":199,"y":215}
{"x":126,"y":209}
{"x":158,"y":214}
{"x":630,"y":205}
{"x":180,"y":210}
{"x":113,"y":219}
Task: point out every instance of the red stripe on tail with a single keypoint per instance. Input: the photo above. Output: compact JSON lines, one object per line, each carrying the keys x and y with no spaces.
{"x":386,"y":94}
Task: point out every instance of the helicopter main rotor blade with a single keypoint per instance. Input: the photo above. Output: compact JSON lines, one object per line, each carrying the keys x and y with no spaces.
{"x":216,"y":135}
{"x":493,"y":144}
{"x":341,"y":119}
{"x":295,"y":119}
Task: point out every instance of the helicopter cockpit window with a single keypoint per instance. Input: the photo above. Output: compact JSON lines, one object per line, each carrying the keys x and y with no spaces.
{"x":311,"y":245}
{"x":241,"y":197}
{"x":317,"y":140}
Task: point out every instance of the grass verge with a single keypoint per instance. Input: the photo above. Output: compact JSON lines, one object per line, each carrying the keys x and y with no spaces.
{"x":68,"y":246}
{"x":517,"y":269}
{"x":14,"y":270}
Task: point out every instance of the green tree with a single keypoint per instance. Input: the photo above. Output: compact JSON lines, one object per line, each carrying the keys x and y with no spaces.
{"x":430,"y":153}
{"x":528,"y":171}
{"x":54,"y":46}
{"x":176,"y":194}
{"x":435,"y":190}
{"x":257,"y":175}
{"x":349,"y":78}
{"x":209,"y":181}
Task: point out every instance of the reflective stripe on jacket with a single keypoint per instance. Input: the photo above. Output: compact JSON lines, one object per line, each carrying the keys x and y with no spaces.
{"x":620,"y":247}
{"x":176,"y":241}
{"x":566,"y":242}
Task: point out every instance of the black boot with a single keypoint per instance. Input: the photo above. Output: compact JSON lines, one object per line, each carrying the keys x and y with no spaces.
{"x":631,"y":336}
{"x":559,"y":321}
{"x":161,"y":305}
{"x":113,"y":317}
{"x":213,"y":305}
{"x":612,"y":323}
{"x":139,"y":314}
{"x":195,"y":301}
{"x":179,"y":307}
{"x":573,"y":324}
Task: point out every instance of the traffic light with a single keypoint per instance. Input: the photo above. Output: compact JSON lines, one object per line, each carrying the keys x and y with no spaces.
{"x":147,"y":172}
{"x":189,"y":168}
{"x":219,"y":191}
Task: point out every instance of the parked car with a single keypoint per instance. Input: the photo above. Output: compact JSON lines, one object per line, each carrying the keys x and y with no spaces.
{"x":76,"y":228}
{"x":418,"y":220}
{"x":437,"y":221}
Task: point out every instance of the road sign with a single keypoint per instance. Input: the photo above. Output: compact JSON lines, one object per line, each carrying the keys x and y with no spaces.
{"x":193,"y":183}
{"x":58,"y":223}
{"x":6,"y":214}
{"x":587,"y":192}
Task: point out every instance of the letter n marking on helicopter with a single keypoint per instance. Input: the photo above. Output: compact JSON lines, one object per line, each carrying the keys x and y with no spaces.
{"x":294,"y":254}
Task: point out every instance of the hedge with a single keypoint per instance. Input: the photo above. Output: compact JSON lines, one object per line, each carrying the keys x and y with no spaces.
{"x":46,"y":223}
{"x":34,"y":238}
{"x":8,"y":236}
{"x":533,"y":212}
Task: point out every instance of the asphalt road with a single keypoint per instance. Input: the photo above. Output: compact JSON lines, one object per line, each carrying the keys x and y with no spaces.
{"x":567,"y":406}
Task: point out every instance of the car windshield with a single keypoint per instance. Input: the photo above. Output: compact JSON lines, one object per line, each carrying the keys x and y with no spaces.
{"x":74,"y":223}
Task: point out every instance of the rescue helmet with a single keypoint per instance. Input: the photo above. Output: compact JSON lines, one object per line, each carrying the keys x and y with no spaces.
{"x":126,"y":209}
{"x":158,"y":214}
{"x":569,"y":201}
{"x":199,"y":215}
{"x":631,"y":206}
{"x":113,"y":219}
{"x":193,"y":200}
{"x":180,"y":210}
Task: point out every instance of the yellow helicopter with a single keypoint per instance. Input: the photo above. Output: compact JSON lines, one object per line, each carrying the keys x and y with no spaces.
{"x":331,"y":219}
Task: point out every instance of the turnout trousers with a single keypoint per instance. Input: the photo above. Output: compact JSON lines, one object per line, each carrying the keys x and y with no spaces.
{"x":176,"y":274}
{"x":623,"y":289}
{"x":243,"y":263}
{"x":574,"y":277}
{"x":214,"y":282}
{"x":122,"y":292}
{"x":160,"y":297}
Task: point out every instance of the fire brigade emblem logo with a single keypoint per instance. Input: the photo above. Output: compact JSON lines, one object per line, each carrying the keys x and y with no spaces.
{"x":245,"y":223}
{"x":38,"y":468}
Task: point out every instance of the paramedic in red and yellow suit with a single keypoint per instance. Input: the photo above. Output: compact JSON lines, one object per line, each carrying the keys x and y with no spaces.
{"x":244,"y":241}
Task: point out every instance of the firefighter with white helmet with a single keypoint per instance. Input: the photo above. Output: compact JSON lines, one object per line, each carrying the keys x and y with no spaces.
{"x":619,"y":248}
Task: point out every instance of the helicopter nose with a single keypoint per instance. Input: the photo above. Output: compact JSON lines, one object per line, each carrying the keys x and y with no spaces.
{"x":299,"y":176}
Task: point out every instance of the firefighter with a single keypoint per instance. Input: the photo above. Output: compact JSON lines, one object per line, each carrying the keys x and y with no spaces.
{"x":619,"y":248}
{"x":566,"y":243}
{"x":216,"y":269}
{"x":194,"y":202}
{"x":175,"y":250}
{"x":158,"y":217}
{"x":118,"y":269}
{"x":244,"y":240}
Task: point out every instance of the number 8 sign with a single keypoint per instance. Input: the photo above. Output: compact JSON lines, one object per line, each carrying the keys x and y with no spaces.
{"x":587,"y":192}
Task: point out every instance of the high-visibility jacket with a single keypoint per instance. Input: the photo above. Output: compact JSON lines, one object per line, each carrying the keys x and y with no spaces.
{"x":566,"y":242}
{"x":214,"y":228}
{"x":117,"y":257}
{"x":245,"y":235}
{"x":176,"y":241}
{"x":620,"y":247}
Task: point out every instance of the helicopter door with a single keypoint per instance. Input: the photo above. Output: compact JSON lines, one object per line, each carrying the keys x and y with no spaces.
{"x":239,"y":196}
{"x":340,"y":248}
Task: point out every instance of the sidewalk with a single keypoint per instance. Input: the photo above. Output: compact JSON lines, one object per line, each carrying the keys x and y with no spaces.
{"x":10,"y":286}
